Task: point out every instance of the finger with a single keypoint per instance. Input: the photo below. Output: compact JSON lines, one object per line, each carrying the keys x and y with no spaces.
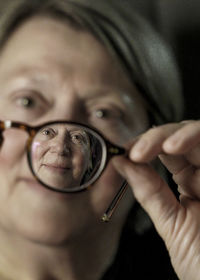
{"x":185,"y":192}
{"x":193,"y":156}
{"x":184,"y":139}
{"x":183,"y":173}
{"x":189,"y":181}
{"x":149,"y":145}
{"x":174,"y":163}
{"x":151,"y":192}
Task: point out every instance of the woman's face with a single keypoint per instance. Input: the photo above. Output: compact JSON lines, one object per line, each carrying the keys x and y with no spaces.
{"x":61,"y":155}
{"x":50,"y":71}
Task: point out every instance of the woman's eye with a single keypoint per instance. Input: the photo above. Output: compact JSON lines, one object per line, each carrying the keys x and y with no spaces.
{"x":45,"y":132}
{"x":108,"y":120}
{"x":48,"y":132}
{"x":107,"y":114}
{"x":27,"y":105}
{"x":26,"y":102}
{"x":104,"y":114}
{"x":77,"y":138}
{"x":100,"y":113}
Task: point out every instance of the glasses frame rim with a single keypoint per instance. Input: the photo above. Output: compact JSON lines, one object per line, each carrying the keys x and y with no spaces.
{"x":109,"y":149}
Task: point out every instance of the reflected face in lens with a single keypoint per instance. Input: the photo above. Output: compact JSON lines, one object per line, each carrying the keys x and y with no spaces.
{"x":61,"y":155}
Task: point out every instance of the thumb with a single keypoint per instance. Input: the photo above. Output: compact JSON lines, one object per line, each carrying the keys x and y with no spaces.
{"x":152,"y":192}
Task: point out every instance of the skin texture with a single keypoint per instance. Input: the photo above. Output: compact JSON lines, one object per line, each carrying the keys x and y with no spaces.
{"x":61,"y":155}
{"x":178,"y":223}
{"x":49,"y":71}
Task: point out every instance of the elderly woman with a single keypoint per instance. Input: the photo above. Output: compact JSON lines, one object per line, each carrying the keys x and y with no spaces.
{"x":97,"y":66}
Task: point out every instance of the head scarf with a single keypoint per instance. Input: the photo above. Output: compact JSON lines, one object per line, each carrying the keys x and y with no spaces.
{"x":130,"y":39}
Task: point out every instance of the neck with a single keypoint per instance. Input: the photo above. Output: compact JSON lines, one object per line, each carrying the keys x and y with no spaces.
{"x":83,"y":258}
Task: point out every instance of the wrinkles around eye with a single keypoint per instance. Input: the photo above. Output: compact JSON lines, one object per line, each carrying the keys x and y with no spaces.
{"x":27,"y":103}
{"x":33,"y":96}
{"x":108,"y":121}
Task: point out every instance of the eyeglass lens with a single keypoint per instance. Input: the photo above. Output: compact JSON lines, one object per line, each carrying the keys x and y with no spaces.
{"x":67,"y":157}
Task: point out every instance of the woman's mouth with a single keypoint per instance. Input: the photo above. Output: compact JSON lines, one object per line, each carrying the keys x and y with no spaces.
{"x":57,"y":167}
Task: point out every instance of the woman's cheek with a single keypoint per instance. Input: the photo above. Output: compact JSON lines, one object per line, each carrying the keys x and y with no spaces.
{"x":13,"y":147}
{"x":39,"y":155}
{"x":38,"y":151}
{"x":105,"y":189}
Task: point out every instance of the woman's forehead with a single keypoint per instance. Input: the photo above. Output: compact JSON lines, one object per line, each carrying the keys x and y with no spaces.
{"x":44,"y":48}
{"x":53,"y":34}
{"x":50,"y":39}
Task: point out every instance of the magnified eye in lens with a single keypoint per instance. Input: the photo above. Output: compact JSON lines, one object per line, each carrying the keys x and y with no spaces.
{"x":66,"y":157}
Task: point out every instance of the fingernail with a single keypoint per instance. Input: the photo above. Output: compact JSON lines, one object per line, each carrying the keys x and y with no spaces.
{"x":170,"y":144}
{"x":138,"y":150}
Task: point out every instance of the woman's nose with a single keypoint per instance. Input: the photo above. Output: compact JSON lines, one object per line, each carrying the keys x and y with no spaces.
{"x":60,"y":146}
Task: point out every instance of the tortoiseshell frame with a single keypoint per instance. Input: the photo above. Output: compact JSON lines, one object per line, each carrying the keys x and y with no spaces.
{"x":111,"y":150}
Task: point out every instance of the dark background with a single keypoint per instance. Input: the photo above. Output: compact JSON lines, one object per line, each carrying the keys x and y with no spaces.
{"x":179,"y":22}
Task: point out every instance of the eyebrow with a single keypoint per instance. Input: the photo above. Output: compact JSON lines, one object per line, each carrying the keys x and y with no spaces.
{"x":95,"y":93}
{"x":31,"y":74}
{"x":38,"y":74}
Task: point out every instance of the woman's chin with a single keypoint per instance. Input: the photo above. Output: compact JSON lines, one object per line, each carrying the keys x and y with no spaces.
{"x":48,"y":222}
{"x":46,"y":236}
{"x":52,"y":232}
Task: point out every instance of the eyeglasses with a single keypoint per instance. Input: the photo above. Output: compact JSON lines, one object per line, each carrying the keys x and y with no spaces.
{"x":66,"y":156}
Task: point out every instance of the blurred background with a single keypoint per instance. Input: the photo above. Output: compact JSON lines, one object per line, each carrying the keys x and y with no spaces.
{"x":179,"y":22}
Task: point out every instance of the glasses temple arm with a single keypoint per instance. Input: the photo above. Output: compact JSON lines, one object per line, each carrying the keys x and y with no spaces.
{"x":113,"y":205}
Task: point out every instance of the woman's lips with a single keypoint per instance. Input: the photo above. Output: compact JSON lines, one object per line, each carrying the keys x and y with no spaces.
{"x":57,"y":167}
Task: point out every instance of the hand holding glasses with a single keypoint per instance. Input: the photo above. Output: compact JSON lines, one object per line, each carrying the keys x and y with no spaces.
{"x":67,"y":157}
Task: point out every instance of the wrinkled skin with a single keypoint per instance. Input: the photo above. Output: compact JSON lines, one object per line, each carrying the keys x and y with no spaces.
{"x":178,"y":223}
{"x":61,"y":156}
